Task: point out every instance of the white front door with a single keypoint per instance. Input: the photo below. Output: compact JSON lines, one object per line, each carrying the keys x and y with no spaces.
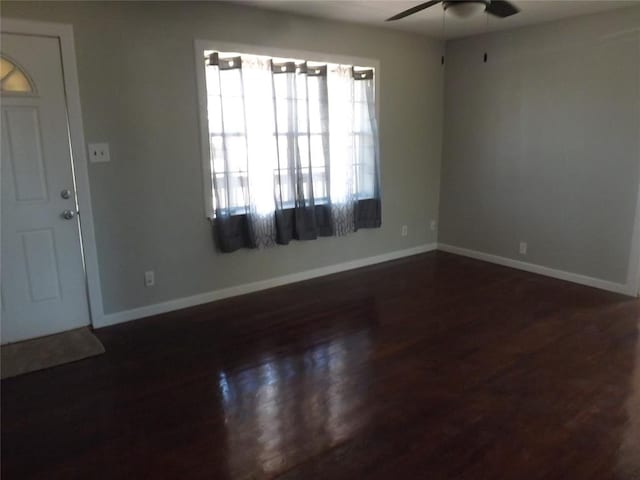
{"x":43,"y":280}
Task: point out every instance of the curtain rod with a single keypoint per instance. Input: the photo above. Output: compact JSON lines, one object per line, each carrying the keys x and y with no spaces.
{"x":230,"y":63}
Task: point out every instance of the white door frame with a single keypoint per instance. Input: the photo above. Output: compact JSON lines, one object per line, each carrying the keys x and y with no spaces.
{"x":634,"y":264}
{"x":64,"y":33}
{"x":633,"y":272}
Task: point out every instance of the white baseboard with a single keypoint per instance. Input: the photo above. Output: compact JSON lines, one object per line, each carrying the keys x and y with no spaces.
{"x":185,"y":302}
{"x":546,"y":271}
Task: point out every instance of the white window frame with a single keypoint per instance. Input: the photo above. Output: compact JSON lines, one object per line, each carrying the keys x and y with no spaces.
{"x":199,"y":48}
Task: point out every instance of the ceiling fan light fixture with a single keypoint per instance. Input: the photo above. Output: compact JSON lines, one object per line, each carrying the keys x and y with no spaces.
{"x":465,"y":9}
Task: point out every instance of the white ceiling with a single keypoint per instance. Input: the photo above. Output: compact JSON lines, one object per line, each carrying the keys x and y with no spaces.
{"x":430,"y":21}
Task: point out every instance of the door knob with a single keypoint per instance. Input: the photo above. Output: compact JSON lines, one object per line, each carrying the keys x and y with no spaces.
{"x":68,"y":214}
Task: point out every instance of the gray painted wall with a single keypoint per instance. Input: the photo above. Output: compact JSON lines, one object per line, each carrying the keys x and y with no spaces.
{"x":542,"y":143}
{"x":138,"y":92}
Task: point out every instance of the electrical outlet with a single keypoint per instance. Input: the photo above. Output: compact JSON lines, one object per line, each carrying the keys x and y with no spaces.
{"x":523,"y":248}
{"x":99,"y":152}
{"x":149,"y":278}
{"x":434,"y":225}
{"x":405,"y":231}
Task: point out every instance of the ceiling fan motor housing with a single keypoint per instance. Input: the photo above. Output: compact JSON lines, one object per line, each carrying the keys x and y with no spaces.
{"x":465,"y":8}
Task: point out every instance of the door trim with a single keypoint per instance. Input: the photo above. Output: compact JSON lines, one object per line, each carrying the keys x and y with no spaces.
{"x":633,"y":273}
{"x":633,"y":278}
{"x":64,"y":33}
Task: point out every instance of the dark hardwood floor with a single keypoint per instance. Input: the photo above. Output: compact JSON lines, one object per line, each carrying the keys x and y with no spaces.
{"x":430,"y":367}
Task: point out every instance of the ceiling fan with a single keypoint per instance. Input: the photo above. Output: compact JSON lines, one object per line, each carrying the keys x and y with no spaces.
{"x":464,"y":8}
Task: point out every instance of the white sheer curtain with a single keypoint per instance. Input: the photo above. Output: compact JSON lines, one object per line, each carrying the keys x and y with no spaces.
{"x":343,"y":193}
{"x":262,"y":148}
{"x":301,"y":177}
{"x":293,"y":150}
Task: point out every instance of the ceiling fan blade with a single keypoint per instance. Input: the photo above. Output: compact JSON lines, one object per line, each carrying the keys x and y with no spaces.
{"x":502,"y":8}
{"x":413,"y":10}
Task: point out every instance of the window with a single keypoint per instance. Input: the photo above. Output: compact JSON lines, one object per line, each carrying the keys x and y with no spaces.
{"x":12,"y":78}
{"x":291,"y":148}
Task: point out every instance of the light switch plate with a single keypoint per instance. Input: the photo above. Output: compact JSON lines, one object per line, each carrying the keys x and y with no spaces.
{"x":99,"y":152}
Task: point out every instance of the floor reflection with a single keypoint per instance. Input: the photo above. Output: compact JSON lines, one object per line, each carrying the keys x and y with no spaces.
{"x":290,"y":408}
{"x":629,"y":455}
